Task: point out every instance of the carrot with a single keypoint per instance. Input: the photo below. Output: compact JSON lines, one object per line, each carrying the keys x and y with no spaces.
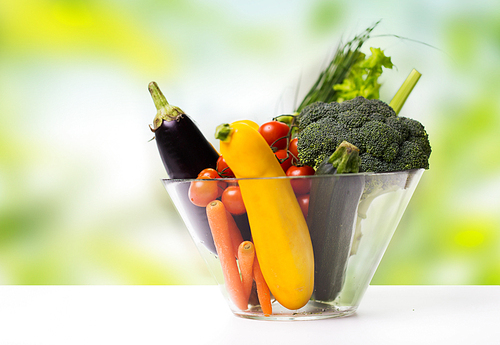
{"x":262,"y":289}
{"x":234,"y":232}
{"x":219,"y":226}
{"x":246,"y":256}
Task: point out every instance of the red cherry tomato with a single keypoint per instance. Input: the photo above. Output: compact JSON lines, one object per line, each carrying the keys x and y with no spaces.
{"x":213,"y":174}
{"x":209,"y":172}
{"x":233,"y":201}
{"x":275,"y":133}
{"x":300,"y":185}
{"x":223,"y":169}
{"x":292,"y":148}
{"x":203,"y":192}
{"x":284,"y":158}
{"x":304,"y":203}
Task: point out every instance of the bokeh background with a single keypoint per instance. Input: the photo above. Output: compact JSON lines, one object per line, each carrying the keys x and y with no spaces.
{"x":80,"y":195}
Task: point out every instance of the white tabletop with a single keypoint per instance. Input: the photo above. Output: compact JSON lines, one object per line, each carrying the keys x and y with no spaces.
{"x":188,"y":314}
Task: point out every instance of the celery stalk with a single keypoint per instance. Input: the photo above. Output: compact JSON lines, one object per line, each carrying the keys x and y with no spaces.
{"x":404,"y":91}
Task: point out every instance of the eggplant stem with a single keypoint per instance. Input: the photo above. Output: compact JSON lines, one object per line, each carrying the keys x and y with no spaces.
{"x":166,"y":112}
{"x":158,"y":98}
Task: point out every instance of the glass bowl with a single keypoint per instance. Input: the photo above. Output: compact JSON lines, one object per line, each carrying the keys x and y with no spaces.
{"x":350,"y":218}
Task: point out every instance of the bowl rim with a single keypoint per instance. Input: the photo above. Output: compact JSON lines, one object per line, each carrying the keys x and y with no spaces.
{"x":231,"y":179}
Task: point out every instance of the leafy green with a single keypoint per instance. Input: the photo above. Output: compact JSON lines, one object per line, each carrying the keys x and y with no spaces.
{"x":363,"y":76}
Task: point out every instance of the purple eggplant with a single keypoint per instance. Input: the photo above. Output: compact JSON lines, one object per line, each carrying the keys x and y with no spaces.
{"x":185,"y":152}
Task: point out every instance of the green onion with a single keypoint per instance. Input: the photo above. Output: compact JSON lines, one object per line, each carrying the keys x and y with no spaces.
{"x":346,"y":55}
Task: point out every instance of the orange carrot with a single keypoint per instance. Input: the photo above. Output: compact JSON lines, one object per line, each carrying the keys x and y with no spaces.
{"x":234,"y":232}
{"x":262,"y":289}
{"x":246,"y":256}
{"x":218,"y":222}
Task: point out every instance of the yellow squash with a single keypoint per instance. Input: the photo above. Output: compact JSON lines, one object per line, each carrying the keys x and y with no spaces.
{"x":279,"y":230}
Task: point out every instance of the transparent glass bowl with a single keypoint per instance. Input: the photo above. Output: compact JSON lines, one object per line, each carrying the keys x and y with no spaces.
{"x":351,"y":219}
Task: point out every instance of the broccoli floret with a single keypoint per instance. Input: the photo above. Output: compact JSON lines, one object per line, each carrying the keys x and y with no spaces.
{"x":315,"y":112}
{"x":352,"y":119}
{"x":352,"y":104}
{"x":376,"y":107}
{"x":381,"y":140}
{"x":373,"y":164}
{"x":412,"y":156}
{"x":400,"y":124}
{"x":386,"y":141}
{"x":313,"y":152}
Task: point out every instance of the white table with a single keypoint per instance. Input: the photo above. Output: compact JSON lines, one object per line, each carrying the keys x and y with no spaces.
{"x":197,"y":314}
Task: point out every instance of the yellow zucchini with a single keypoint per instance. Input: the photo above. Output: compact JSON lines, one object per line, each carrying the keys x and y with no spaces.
{"x":279,"y":229}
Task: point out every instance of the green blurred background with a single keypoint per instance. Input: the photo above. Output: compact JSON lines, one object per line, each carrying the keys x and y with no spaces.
{"x":80,"y":195}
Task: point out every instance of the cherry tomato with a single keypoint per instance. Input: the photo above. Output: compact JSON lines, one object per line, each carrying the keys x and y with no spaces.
{"x":275,"y":133}
{"x":232,"y":200}
{"x":203,"y":192}
{"x":300,"y":185}
{"x":223,"y":169}
{"x":284,"y":158}
{"x":292,"y":148}
{"x":304,"y":203}
{"x":213,"y":174}
{"x":209,"y":172}
{"x":231,"y":182}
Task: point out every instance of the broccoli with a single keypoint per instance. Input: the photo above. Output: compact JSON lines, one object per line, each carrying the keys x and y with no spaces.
{"x":317,"y":150}
{"x":316,"y":111}
{"x":386,"y":141}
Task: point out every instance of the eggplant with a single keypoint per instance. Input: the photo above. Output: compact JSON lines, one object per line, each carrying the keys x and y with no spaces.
{"x":185,"y":152}
{"x":332,"y":219}
{"x":183,"y":149}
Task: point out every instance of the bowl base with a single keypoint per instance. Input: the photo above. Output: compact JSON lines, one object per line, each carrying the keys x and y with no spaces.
{"x":311,"y":311}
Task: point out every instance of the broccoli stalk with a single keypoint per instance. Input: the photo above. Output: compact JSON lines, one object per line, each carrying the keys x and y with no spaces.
{"x":404,"y":91}
{"x":344,"y":160}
